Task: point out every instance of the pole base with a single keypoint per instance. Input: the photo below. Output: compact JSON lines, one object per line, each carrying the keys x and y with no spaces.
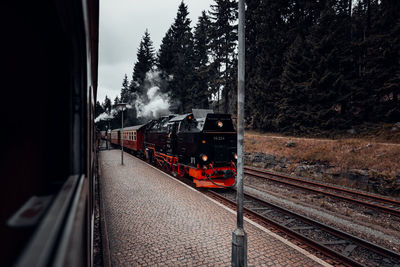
{"x":239,"y":248}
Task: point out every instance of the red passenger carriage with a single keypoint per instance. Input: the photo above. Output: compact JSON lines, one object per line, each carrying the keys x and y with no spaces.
{"x":134,"y":138}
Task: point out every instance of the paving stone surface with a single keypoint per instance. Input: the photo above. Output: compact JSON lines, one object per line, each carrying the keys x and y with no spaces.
{"x":153,"y":220}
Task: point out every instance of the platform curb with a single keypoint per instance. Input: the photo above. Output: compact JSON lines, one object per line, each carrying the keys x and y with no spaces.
{"x":103,"y":224}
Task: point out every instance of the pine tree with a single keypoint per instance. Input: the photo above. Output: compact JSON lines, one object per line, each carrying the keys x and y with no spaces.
{"x":107,"y":105}
{"x":267,"y":43}
{"x":392,"y":84}
{"x":125,"y":91}
{"x":224,"y":38}
{"x":252,"y":33}
{"x":200,"y":90}
{"x":99,"y":109}
{"x":145,"y":63}
{"x":330,"y":84}
{"x":116,"y":102}
{"x":166,"y":54}
{"x":176,"y":62}
{"x":382,"y":63}
{"x":317,"y":78}
{"x":295,"y":80}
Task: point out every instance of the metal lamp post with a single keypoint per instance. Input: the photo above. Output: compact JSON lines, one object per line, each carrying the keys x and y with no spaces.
{"x":107,"y":132}
{"x":239,"y":236}
{"x":122,"y":106}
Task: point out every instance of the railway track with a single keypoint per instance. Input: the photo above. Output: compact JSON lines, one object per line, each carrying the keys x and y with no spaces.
{"x":378,"y":203}
{"x":331,"y":242}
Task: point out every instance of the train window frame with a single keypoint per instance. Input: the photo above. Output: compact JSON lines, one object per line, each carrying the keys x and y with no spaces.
{"x":134,"y":136}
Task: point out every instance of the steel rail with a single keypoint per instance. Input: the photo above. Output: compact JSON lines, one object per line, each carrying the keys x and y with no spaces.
{"x":391,"y":210}
{"x":383,"y":252}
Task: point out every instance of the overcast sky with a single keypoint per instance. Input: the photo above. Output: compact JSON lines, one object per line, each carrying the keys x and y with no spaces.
{"x":122,"y":25}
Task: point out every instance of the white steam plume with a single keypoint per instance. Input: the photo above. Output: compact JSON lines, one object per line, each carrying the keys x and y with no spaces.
{"x":105,"y":116}
{"x":153,"y":103}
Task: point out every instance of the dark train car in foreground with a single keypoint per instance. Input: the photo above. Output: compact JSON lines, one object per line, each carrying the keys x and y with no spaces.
{"x":49,"y":84}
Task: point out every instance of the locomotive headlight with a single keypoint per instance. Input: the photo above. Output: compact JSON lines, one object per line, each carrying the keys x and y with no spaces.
{"x":235,"y":156}
{"x":220,"y":124}
{"x":204,"y":157}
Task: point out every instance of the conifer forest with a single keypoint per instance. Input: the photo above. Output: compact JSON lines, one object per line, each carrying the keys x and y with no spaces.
{"x":312,"y":66}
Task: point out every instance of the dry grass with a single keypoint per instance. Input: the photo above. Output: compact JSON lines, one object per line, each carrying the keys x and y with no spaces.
{"x":345,"y":153}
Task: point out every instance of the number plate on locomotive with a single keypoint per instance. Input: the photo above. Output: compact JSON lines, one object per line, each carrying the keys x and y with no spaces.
{"x":219,"y":138}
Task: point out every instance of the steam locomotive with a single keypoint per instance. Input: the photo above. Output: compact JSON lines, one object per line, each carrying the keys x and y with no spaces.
{"x":200,"y":144}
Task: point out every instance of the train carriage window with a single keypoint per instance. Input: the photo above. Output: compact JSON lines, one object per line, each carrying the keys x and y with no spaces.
{"x":134,"y":136}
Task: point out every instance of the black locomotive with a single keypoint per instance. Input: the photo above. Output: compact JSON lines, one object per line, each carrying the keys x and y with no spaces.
{"x":200,"y":144}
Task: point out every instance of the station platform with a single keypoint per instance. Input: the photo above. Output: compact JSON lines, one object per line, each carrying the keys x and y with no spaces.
{"x":152,"y":219}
